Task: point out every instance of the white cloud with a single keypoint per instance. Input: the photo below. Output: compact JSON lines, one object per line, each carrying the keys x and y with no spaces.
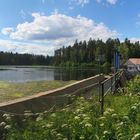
{"x":58,"y":30}
{"x":20,"y":47}
{"x":56,"y":11}
{"x":22,"y":14}
{"x":134,"y":39}
{"x":59,"y":26}
{"x":7,"y":31}
{"x":71,"y":7}
{"x":112,"y":1}
{"x":79,"y":2}
{"x":82,"y":2}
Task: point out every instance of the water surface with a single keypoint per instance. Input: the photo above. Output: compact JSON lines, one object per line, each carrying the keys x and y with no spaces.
{"x":38,"y":73}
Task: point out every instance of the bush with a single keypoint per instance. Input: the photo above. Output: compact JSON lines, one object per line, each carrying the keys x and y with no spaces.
{"x":133,"y":86}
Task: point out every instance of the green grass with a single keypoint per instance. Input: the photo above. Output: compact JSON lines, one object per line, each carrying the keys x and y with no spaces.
{"x":81,"y":120}
{"x":121,"y":103}
{"x":10,"y":91}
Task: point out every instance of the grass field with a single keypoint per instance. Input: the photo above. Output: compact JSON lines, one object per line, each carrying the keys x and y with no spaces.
{"x":10,"y":91}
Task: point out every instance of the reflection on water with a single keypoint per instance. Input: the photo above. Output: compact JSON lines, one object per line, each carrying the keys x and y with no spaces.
{"x":73,"y":74}
{"x":23,"y":73}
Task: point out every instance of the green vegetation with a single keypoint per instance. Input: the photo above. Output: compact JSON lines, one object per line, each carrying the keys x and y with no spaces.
{"x":134,"y":86}
{"x":82,"y":53}
{"x":81,"y":120}
{"x":9,"y":91}
{"x":86,"y":53}
{"x":9,"y":58}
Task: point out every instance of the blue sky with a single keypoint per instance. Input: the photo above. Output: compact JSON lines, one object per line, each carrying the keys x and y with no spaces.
{"x":41,"y":26}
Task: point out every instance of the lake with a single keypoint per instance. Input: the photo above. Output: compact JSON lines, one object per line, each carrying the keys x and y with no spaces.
{"x":38,"y":73}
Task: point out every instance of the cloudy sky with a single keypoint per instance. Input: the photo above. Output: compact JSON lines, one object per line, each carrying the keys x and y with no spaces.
{"x":41,"y":26}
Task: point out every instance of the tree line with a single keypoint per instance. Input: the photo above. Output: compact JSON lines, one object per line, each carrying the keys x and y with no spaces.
{"x":82,"y":53}
{"x":9,"y":58}
{"x":87,"y":52}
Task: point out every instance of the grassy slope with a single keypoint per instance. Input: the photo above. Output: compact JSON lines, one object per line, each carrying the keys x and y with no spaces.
{"x":9,"y":91}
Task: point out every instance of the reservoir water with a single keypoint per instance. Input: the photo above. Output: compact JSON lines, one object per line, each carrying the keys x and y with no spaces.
{"x":38,"y":73}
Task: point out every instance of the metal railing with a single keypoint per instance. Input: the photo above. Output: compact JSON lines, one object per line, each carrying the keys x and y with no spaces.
{"x":109,"y":85}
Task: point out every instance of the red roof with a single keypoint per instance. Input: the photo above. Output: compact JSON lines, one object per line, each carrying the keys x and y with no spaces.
{"x":135,"y":61}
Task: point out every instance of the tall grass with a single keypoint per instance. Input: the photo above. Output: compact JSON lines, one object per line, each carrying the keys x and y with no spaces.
{"x":81,"y":120}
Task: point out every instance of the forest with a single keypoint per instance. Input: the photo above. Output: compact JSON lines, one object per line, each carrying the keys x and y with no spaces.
{"x":81,"y":53}
{"x":86,"y":52}
{"x":9,"y":58}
